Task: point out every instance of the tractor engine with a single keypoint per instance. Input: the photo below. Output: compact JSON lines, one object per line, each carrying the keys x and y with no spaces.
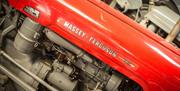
{"x":35,"y":58}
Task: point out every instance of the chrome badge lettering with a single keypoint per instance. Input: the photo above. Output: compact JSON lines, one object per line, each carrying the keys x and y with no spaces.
{"x":92,"y":40}
{"x":74,"y":29}
{"x":32,"y":11}
{"x":102,"y":46}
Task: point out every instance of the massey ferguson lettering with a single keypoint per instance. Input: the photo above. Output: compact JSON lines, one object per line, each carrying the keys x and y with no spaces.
{"x":74,"y":29}
{"x":102,"y":46}
{"x":90,"y":39}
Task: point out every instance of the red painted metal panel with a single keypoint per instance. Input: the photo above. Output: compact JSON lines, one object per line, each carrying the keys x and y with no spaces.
{"x":141,"y":55}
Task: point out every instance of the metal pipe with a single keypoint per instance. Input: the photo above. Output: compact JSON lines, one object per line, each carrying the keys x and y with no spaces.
{"x":113,"y":3}
{"x":5,"y":32}
{"x":28,"y":72}
{"x":151,"y":4}
{"x":172,"y":35}
{"x":27,"y":36}
{"x":16,"y":79}
{"x":2,"y":21}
